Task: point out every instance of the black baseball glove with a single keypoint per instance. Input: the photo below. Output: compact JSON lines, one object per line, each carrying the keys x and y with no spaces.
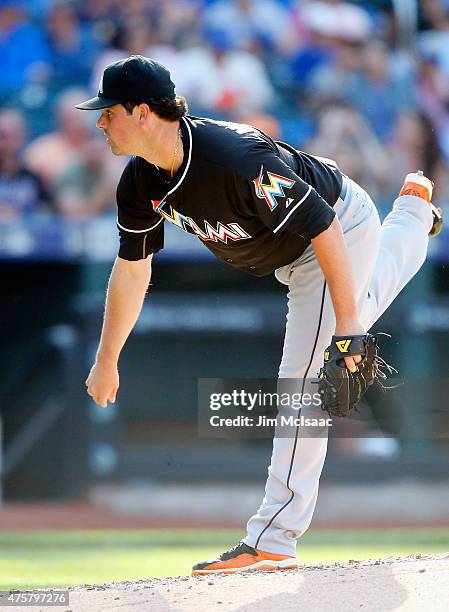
{"x":340,"y":389}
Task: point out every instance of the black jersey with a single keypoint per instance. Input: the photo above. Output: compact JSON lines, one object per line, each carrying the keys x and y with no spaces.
{"x":255,"y":203}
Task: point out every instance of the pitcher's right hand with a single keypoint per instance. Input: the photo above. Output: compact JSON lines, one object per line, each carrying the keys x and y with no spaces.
{"x":103,"y":383}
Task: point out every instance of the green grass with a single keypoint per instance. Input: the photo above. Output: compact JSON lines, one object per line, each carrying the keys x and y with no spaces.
{"x":39,"y":559}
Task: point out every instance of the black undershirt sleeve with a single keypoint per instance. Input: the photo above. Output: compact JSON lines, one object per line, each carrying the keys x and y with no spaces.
{"x":141,"y":229}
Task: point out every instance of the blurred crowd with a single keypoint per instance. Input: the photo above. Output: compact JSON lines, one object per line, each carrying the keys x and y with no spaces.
{"x":363,"y":82}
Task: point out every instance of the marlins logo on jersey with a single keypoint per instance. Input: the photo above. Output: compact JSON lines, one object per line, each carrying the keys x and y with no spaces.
{"x":222,"y":232}
{"x":274,"y":190}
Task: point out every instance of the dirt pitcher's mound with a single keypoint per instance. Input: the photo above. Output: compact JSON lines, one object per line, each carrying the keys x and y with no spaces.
{"x":408,"y":583}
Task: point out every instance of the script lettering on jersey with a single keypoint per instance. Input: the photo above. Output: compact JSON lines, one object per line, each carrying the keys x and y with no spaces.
{"x":222,"y":233}
{"x":275,"y":189}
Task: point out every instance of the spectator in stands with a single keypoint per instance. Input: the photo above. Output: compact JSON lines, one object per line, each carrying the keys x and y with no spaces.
{"x":329,"y":34}
{"x":51,"y":154}
{"x":216,"y":78}
{"x":315,"y":49}
{"x":365,"y":76}
{"x":130,"y":38}
{"x":345,"y":136}
{"x":87,"y":188}
{"x":73,"y":46}
{"x":139,"y":10}
{"x":223,"y":80}
{"x":415,"y":145}
{"x":434,"y":41}
{"x":344,"y":20}
{"x":101,"y":12}
{"x":330,"y":80}
{"x":179,"y":23}
{"x":433,"y":97}
{"x":379,"y":93}
{"x":242,"y":21}
{"x":23,"y":50}
{"x":21,"y":192}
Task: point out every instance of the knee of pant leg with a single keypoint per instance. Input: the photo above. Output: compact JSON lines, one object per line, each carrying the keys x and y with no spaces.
{"x":417,"y":209}
{"x":409,"y":259}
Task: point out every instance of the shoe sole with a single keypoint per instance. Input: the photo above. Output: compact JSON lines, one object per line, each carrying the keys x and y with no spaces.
{"x":261,"y":566}
{"x":423,"y":181}
{"x":420,"y":179}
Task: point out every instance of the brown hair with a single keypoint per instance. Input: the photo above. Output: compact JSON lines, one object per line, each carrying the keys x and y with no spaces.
{"x":165,"y":108}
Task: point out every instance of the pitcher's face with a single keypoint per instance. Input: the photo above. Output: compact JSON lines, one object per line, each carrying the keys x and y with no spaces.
{"x":120,"y":129}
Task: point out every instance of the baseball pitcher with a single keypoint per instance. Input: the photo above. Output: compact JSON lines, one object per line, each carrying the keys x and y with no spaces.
{"x":262,"y":207}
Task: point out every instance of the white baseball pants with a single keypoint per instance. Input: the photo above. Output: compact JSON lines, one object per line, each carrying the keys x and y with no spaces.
{"x":384,"y":258}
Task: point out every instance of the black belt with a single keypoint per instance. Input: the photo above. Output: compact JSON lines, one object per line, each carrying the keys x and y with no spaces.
{"x":344,"y":187}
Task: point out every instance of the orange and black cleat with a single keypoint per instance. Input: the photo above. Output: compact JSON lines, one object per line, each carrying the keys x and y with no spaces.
{"x":416,"y":184}
{"x":244,"y":558}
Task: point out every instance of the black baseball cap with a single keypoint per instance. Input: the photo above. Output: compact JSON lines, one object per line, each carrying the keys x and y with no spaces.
{"x":135,"y":78}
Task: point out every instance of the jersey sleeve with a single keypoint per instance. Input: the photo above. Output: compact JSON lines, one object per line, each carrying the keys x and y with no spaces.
{"x":140,"y":228}
{"x":283,"y":201}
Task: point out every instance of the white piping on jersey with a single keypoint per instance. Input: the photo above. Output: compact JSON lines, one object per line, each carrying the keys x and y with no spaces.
{"x":140,"y":231}
{"x":292,"y":210}
{"x":188,"y":161}
{"x":189,"y":158}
